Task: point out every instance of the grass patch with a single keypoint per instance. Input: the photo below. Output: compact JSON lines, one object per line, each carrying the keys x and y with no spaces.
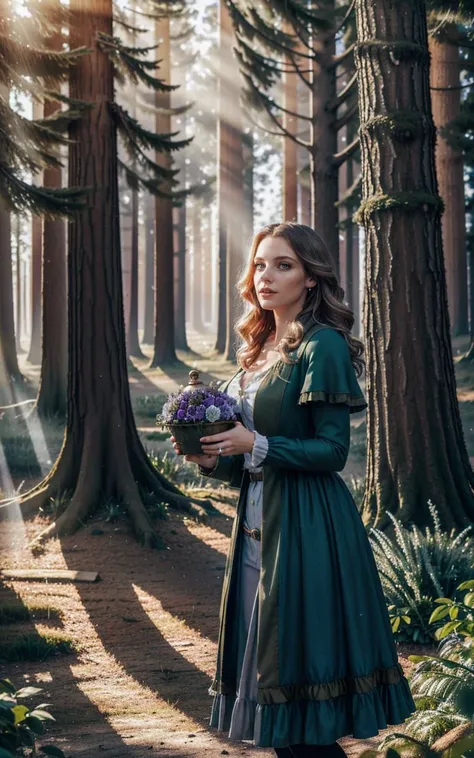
{"x":17,"y":612}
{"x":34,"y":646}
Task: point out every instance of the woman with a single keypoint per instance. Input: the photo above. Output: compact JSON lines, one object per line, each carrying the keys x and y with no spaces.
{"x":306,"y":653}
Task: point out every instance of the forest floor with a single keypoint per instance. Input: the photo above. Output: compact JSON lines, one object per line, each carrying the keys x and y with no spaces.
{"x":145,"y":634}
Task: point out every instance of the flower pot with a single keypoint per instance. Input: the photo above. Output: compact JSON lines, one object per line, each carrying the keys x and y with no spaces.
{"x":188,"y":435}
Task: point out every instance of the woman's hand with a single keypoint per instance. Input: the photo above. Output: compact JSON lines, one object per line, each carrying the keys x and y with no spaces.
{"x":235,"y":441}
{"x":207,"y":461}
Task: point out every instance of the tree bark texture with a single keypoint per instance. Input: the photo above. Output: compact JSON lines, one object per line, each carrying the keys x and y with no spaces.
{"x":196,"y":283}
{"x":133,"y":343}
{"x":180,"y":289}
{"x":290,"y":148}
{"x":445,"y":72}
{"x":102,"y":456}
{"x":416,"y":450}
{"x":149,"y":289}
{"x":164,"y":348}
{"x":34,"y":353}
{"x":230,"y":186}
{"x":10,"y":377}
{"x":324,"y":173}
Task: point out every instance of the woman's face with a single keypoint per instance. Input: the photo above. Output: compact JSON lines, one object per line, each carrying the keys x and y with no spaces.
{"x":277,"y":268}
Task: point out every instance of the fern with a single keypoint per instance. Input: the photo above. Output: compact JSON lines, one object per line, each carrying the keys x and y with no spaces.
{"x":417,"y":567}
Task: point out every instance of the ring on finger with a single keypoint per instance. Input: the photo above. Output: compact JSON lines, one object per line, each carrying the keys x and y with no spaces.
{"x":219,"y":449}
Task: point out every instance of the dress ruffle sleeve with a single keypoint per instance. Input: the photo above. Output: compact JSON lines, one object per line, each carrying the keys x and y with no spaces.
{"x":330,"y":376}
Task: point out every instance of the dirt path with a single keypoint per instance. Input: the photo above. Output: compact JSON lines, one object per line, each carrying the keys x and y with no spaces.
{"x":147,"y":636}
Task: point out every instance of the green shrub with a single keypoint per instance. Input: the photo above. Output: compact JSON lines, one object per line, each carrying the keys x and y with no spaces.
{"x":417,"y":568}
{"x":148,"y":405}
{"x":20,"y":726}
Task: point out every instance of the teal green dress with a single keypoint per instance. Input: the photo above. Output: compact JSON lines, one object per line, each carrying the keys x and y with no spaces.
{"x":327,"y":663}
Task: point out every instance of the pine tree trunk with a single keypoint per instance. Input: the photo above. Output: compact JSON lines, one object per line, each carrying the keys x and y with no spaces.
{"x":290,"y":148}
{"x":305,"y":205}
{"x":133,"y":343}
{"x":10,"y":377}
{"x":230,"y":179}
{"x":196,"y":300}
{"x":206,"y":285}
{"x":149,"y":289}
{"x":34,"y":354}
{"x":18,"y":288}
{"x":164,"y":348}
{"x":102,"y":456}
{"x":445,"y":72}
{"x":324,"y":174}
{"x":180,"y":331}
{"x":416,"y":450}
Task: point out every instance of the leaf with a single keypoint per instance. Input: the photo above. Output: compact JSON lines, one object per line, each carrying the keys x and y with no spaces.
{"x":28,"y":691}
{"x":20,"y":712}
{"x":420,"y":658}
{"x":453,"y":612}
{"x":406,"y":619}
{"x":469,"y":585}
{"x":395,"y":624}
{"x":469,"y":600}
{"x":438,"y":613}
{"x":446,"y":600}
{"x":43,"y":715}
{"x":451,"y":626}
{"x":52,"y":750}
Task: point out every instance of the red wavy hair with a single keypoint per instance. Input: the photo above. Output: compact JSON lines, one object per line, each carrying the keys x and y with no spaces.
{"x":323,"y":305}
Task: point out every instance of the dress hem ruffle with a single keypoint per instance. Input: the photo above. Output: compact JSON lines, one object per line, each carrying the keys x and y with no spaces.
{"x":313,"y":722}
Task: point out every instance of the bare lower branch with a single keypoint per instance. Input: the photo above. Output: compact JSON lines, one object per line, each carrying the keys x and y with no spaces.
{"x":339,"y":158}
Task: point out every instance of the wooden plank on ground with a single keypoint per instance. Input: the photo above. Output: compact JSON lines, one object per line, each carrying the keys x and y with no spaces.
{"x":61,"y":575}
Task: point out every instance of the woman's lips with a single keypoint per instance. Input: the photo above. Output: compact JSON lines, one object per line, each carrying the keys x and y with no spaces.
{"x":267,"y":294}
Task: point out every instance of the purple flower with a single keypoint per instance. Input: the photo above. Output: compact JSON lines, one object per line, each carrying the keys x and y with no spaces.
{"x":189,"y":406}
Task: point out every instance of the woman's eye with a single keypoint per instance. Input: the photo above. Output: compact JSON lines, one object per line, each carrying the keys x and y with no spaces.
{"x":280,"y":264}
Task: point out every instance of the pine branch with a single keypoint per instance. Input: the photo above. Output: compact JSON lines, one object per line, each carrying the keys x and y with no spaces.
{"x":146,"y":104}
{"x":260,"y":100}
{"x":121,"y":18}
{"x":26,"y":145}
{"x":35,"y":63}
{"x":346,"y":17}
{"x":172,"y":9}
{"x":269,"y":103}
{"x":271,"y":37}
{"x":129,"y":66}
{"x":351,"y":194}
{"x":339,"y":158}
{"x":342,"y":96}
{"x":264,"y":129}
{"x":347,"y":116}
{"x":263,"y":73}
{"x":20,"y":196}
{"x":455,"y":87}
{"x":130,"y":129}
{"x":154,"y":186}
{"x":338,"y":59}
